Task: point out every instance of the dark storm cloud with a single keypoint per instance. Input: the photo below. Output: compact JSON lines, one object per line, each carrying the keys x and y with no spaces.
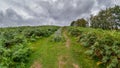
{"x":45,"y":12}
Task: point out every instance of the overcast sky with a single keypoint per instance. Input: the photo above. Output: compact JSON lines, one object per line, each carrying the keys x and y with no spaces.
{"x":48,"y":12}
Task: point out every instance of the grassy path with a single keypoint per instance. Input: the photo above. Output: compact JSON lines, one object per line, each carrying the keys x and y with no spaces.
{"x":67,"y":39}
{"x":78,"y":54}
{"x":68,"y":54}
{"x":47,"y":52}
{"x":68,"y":44}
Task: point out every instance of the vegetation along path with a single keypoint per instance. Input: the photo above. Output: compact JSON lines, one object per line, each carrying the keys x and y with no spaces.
{"x":63,"y":54}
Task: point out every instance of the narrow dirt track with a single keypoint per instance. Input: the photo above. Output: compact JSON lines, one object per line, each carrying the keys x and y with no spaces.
{"x":67,"y":44}
{"x":75,"y":66}
{"x":67,"y":39}
{"x":36,"y":65}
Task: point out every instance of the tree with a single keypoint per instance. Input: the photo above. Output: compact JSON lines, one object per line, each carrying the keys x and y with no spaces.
{"x":107,"y":19}
{"x":72,"y":23}
{"x":80,"y":22}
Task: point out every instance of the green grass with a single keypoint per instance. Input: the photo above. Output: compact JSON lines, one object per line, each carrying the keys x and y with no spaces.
{"x":78,"y":54}
{"x":48,"y":54}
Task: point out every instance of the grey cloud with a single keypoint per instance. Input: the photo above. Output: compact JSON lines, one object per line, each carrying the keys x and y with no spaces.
{"x":10,"y":18}
{"x":106,"y":3}
{"x":43,"y":12}
{"x":68,"y":12}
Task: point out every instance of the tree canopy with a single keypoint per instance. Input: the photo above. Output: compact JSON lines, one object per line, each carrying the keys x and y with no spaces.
{"x":107,"y":19}
{"x":80,"y":22}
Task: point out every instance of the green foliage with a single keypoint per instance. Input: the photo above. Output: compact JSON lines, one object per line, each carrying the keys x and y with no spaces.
{"x":107,"y":19}
{"x":21,"y":53}
{"x":14,"y":49}
{"x":102,"y":45}
{"x":57,"y":36}
{"x":14,"y":57}
{"x":75,"y":31}
{"x":88,"y":39}
{"x":80,"y":22}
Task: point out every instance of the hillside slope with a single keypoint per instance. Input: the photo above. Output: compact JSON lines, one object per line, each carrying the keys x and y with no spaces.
{"x":62,"y":54}
{"x":59,"y":47}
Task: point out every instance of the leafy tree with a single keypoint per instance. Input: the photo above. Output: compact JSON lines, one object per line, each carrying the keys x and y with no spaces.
{"x":80,"y":22}
{"x":73,"y":23}
{"x":107,"y":19}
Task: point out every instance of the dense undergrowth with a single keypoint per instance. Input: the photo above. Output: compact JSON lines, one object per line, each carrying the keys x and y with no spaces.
{"x":14,"y":49}
{"x":103,"y":46}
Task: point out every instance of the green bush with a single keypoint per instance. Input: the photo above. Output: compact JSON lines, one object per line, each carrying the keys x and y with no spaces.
{"x":57,"y":36}
{"x":88,"y":39}
{"x":75,"y":32}
{"x":14,"y":49}
{"x":103,"y":46}
{"x":10,"y":58}
{"x":107,"y":50}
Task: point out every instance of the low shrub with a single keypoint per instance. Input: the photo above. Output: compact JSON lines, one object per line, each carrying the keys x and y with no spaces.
{"x":103,"y":46}
{"x":57,"y":36}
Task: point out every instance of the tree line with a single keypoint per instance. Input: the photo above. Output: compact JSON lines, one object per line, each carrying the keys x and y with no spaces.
{"x":106,"y":19}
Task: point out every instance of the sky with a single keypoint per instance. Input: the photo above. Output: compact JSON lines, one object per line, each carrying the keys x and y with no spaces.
{"x":49,"y":12}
